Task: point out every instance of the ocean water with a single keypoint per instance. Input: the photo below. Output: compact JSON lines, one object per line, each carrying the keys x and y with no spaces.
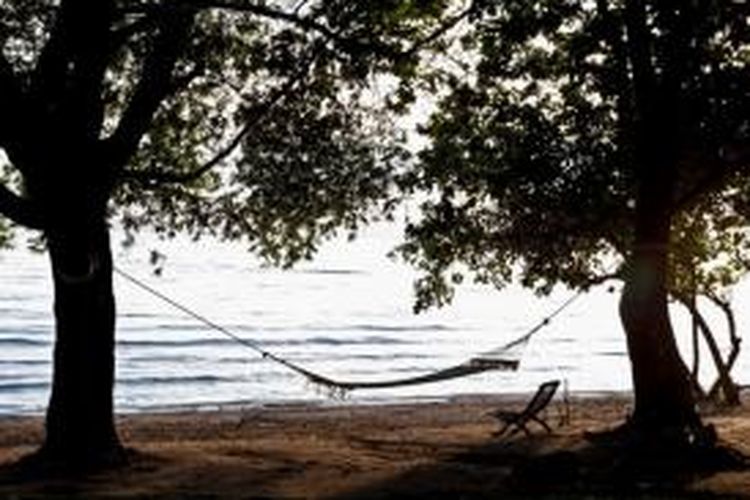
{"x":346,"y":315}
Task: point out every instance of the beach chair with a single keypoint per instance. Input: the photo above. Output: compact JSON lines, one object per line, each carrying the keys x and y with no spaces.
{"x":516,"y":421}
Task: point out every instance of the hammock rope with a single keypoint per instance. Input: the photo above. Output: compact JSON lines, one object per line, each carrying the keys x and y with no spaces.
{"x":506,"y":357}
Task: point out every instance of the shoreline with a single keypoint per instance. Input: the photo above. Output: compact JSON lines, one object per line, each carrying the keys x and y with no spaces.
{"x":413,"y":450}
{"x":249,"y":404}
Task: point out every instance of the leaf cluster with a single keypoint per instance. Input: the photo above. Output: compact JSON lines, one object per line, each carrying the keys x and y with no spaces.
{"x":263,"y":120}
{"x":535,"y":158}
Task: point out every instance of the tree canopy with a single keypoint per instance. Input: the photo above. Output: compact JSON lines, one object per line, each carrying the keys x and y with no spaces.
{"x":533,"y":169}
{"x":261,"y":121}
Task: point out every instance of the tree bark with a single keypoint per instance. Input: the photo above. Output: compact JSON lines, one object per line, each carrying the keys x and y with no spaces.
{"x":664,"y":402}
{"x":663,"y":398}
{"x":80,"y":430}
{"x":731,"y":392}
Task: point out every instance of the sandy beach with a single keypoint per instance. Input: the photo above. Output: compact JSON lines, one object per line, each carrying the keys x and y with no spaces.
{"x":425,"y":450}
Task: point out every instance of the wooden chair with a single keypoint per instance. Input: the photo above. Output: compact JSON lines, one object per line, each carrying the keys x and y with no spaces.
{"x":516,"y":421}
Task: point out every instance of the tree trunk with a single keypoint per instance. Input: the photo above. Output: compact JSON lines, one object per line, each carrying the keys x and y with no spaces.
{"x":80,"y":430}
{"x":661,"y":385}
{"x":731,"y":392}
{"x":664,"y":401}
{"x":724,"y":379}
{"x":664,"y":404}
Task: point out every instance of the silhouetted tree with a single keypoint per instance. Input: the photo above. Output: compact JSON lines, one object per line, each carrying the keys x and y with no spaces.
{"x":250,"y":120}
{"x":584,"y":140}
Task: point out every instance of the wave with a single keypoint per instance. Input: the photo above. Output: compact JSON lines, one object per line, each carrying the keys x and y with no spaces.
{"x":159,"y":358}
{"x":369,"y":357}
{"x":24,"y":386}
{"x":176,"y":343}
{"x":616,"y":354}
{"x":172,"y":327}
{"x":20,"y":326}
{"x":345,"y":272}
{"x":378,"y":340}
{"x":171,"y":380}
{"x":138,"y":315}
{"x":361,"y":327}
{"x":400,"y":328}
{"x":24,"y":362}
{"x":311,"y":341}
{"x":24,"y":341}
{"x":218,"y":342}
{"x":23,"y":314}
{"x":559,"y":369}
{"x":563,"y":340}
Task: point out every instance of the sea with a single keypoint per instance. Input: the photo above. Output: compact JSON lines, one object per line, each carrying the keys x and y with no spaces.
{"x":347,"y":315}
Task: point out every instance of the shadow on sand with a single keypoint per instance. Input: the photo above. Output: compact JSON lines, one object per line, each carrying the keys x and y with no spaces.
{"x":560,"y":465}
{"x":545,"y":466}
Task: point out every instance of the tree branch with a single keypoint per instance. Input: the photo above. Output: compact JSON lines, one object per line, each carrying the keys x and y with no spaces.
{"x":293,"y":18}
{"x":155,"y":85}
{"x":155,"y":176}
{"x":305,"y":23}
{"x":11,"y":99}
{"x":730,"y":160}
{"x":19,"y":117}
{"x":19,"y":210}
{"x":49,"y":73}
{"x":444,"y":28}
{"x":601,"y":279}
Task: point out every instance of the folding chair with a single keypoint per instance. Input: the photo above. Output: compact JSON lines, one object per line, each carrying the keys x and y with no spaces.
{"x":516,"y":421}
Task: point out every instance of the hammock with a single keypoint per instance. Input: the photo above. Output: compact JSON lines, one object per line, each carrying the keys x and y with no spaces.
{"x":477,"y":364}
{"x":504,"y":358}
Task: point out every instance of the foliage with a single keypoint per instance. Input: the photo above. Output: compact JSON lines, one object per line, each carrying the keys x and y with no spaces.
{"x":253,"y":121}
{"x":532,"y":171}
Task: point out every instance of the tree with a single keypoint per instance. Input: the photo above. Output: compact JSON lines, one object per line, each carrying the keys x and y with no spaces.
{"x":588,"y":140}
{"x":249,"y":120}
{"x":709,"y":256}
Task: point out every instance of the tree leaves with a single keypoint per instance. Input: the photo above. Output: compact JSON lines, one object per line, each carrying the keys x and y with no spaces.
{"x":264,"y":124}
{"x":531,"y":167}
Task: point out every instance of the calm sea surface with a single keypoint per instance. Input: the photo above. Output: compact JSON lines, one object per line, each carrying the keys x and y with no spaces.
{"x":346,"y":315}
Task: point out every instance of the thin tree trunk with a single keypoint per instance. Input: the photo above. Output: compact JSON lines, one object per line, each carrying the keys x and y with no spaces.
{"x":695,"y":333}
{"x":732,"y":394}
{"x":80,"y":426}
{"x":724,"y":376}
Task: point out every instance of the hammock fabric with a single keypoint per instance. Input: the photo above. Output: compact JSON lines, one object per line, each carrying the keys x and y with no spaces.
{"x":504,"y":358}
{"x":474,"y":365}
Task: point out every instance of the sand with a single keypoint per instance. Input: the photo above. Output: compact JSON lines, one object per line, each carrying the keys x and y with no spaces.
{"x":426,"y":450}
